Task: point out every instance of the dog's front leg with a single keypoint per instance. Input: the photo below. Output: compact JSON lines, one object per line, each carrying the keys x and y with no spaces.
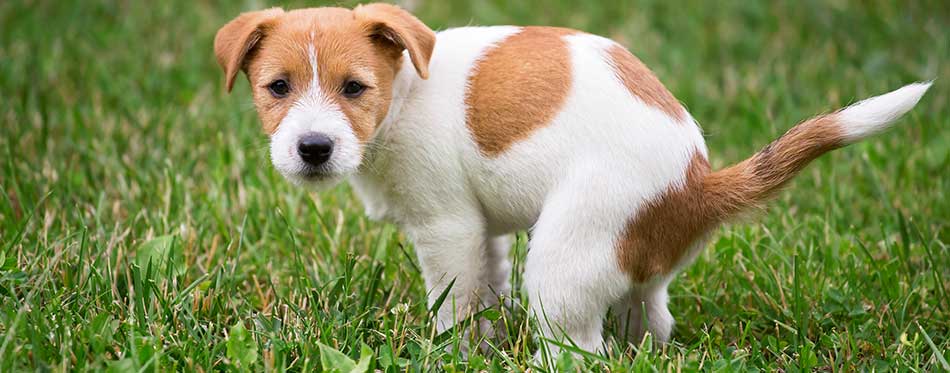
{"x":451,"y":250}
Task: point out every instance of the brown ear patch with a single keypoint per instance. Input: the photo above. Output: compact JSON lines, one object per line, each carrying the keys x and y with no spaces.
{"x":658,"y":237}
{"x":518,"y":87}
{"x":401,"y":29}
{"x":641,"y":82}
{"x":235,"y":40}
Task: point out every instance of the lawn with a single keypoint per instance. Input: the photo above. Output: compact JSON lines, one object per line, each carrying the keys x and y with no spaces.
{"x":142,"y":226}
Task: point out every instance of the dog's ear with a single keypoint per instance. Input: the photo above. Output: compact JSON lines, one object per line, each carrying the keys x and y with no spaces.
{"x":235,"y":39}
{"x":395,"y":28}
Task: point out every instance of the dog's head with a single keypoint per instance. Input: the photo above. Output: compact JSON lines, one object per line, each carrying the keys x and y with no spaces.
{"x":322,"y":79}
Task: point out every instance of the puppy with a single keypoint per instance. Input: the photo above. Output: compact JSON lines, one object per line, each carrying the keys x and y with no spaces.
{"x":464,"y":136}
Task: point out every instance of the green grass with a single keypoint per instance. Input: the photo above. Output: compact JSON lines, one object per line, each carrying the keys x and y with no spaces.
{"x":142,"y":227}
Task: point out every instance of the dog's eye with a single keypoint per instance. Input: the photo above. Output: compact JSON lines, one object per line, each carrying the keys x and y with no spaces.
{"x":279,"y":88}
{"x":353,"y":89}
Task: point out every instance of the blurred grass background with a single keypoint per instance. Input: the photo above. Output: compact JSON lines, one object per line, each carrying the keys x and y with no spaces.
{"x":143,"y":228}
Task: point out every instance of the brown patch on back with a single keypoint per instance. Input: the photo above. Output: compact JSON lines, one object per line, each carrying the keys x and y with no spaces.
{"x":641,"y":82}
{"x":518,"y":87}
{"x":662,"y":233}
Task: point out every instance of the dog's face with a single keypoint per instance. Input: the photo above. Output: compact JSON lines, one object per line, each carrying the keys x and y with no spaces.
{"x":322,"y":79}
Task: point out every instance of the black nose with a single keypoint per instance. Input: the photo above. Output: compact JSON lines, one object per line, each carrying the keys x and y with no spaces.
{"x":315,"y":148}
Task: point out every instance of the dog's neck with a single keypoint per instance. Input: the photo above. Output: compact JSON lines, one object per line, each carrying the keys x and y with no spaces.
{"x":368,"y":182}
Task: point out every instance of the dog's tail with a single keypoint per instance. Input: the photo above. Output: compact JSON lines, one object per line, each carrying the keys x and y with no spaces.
{"x":732,"y":190}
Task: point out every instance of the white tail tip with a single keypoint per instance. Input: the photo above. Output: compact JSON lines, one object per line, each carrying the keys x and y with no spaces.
{"x":875,"y":114}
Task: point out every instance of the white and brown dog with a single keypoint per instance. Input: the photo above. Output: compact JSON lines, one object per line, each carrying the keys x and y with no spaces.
{"x":464,"y":136}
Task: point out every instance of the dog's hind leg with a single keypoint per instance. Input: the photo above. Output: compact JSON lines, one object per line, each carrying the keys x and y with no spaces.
{"x":572,"y":274}
{"x":644,"y":309}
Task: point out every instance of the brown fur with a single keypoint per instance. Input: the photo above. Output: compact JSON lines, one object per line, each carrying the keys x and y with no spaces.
{"x":518,"y":87}
{"x":235,"y":39}
{"x":660,"y":236}
{"x":391,"y":25}
{"x":749,"y":183}
{"x":641,"y":82}
{"x":349,"y":45}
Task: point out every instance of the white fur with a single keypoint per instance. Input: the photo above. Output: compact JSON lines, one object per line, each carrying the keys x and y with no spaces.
{"x":315,"y":113}
{"x":876,"y":114}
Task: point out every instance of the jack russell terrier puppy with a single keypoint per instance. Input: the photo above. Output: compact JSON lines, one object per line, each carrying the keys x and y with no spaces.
{"x":464,"y":136}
